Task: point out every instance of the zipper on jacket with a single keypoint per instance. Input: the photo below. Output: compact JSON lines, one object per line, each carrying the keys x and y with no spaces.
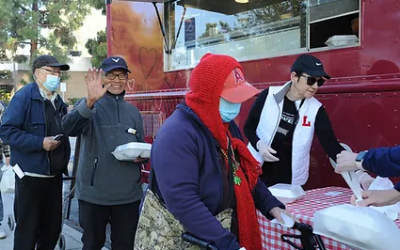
{"x":116,"y":98}
{"x":93,"y":172}
{"x":277,"y":124}
{"x":230,"y":179}
{"x":59,"y":114}
{"x":220,"y":160}
{"x":45,"y":134}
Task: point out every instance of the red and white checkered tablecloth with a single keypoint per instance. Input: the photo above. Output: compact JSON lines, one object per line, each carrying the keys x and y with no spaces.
{"x":304,"y":209}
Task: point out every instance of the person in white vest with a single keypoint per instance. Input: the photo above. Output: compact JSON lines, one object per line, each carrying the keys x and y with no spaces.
{"x":281,"y":124}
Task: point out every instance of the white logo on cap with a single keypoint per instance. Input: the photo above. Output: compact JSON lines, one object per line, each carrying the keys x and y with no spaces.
{"x":115,"y":60}
{"x":318,"y":64}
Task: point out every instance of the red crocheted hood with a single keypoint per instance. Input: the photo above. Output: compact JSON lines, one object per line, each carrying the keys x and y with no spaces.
{"x":206,"y":85}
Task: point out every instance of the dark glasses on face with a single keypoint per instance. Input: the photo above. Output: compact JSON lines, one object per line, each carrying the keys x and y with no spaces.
{"x":312,"y":80}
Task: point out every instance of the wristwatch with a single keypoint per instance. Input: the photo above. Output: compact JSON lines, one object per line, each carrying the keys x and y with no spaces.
{"x":360,"y":156}
{"x":359,"y":160}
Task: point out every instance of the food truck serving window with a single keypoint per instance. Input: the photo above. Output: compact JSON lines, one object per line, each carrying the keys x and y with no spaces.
{"x":255,"y":29}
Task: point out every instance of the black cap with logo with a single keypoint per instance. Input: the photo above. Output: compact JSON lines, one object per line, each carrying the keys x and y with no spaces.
{"x":114,"y":62}
{"x":310,"y":65}
{"x":47,"y":60}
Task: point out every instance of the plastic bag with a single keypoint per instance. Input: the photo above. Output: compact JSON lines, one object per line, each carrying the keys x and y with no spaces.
{"x":7,"y":184}
{"x":357,"y":227}
{"x":381,"y":183}
{"x":350,"y":176}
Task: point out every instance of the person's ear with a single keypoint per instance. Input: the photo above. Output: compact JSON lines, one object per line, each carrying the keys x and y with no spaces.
{"x":293,"y":77}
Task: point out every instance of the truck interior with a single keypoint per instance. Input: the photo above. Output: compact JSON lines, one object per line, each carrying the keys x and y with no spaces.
{"x":273,"y":27}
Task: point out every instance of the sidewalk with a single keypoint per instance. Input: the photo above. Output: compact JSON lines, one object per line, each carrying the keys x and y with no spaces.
{"x":72,"y":236}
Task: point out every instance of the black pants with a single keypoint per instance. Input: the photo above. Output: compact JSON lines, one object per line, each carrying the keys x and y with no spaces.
{"x":38,"y":212}
{"x":94,"y":219}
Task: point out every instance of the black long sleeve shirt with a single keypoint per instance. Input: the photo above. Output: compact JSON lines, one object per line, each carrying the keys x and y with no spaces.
{"x":281,"y":171}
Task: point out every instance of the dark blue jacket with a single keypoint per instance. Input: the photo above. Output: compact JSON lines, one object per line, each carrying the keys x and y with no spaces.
{"x":23,"y":127}
{"x":384,"y":162}
{"x":185,"y":161}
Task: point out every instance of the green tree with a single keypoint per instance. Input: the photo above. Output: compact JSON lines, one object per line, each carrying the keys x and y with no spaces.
{"x":45,"y":26}
{"x":225,"y":26}
{"x":275,"y":11}
{"x":210,"y":27}
{"x":3,"y":55}
{"x":97,"y":48}
{"x":5,"y":17}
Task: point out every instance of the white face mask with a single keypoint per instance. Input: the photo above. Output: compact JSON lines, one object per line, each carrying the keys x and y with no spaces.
{"x":228,"y":110}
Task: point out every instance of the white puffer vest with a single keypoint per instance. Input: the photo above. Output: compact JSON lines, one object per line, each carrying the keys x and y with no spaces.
{"x":303,"y":134}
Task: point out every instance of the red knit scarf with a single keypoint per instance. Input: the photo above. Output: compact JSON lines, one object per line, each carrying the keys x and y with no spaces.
{"x":206,"y":85}
{"x":249,"y":232}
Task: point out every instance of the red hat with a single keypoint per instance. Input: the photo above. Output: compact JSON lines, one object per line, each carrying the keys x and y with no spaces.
{"x":237,"y":89}
{"x":215,"y":77}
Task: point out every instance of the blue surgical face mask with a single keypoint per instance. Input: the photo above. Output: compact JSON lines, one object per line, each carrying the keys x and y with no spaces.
{"x":228,"y":110}
{"x":52,"y":83}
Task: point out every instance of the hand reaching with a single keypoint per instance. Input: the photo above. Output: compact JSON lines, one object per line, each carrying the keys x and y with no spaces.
{"x":276,"y":213}
{"x":139,"y":159}
{"x":346,"y":161}
{"x":266,"y":152}
{"x":95,"y":87}
{"x":378,"y":198}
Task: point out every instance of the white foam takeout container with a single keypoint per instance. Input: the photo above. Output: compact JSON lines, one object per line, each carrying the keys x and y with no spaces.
{"x":341,"y":40}
{"x":287,"y":193}
{"x":131,"y":151}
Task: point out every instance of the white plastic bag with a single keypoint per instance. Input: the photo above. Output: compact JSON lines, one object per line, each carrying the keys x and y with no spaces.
{"x":350,"y":176}
{"x":381,"y":183}
{"x":7,"y":184}
{"x":357,"y":227}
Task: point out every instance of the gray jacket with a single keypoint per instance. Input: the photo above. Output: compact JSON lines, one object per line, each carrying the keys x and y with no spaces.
{"x":101,"y":178}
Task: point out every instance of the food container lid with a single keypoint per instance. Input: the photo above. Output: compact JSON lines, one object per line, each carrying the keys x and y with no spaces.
{"x":287,"y":190}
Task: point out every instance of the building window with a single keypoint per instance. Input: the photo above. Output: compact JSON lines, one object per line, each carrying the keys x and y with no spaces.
{"x":255,"y":30}
{"x":75,"y":53}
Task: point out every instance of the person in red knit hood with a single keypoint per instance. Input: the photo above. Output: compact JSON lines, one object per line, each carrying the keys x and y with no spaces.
{"x":201,"y":167}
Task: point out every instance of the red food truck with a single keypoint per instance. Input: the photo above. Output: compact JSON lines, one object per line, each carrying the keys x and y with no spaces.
{"x":358,"y":41}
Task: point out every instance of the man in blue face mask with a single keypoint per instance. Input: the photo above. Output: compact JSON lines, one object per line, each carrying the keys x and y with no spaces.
{"x":31,"y":125}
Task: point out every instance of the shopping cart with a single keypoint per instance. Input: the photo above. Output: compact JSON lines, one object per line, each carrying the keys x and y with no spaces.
{"x":65,"y":210}
{"x":11,"y":222}
{"x":68,"y":198}
{"x":308,"y":239}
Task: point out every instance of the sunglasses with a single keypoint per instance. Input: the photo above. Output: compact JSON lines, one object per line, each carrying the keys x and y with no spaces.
{"x":312,"y":80}
{"x":112,"y":76}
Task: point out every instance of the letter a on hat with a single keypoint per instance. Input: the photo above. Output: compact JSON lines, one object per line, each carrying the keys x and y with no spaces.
{"x":238,"y":77}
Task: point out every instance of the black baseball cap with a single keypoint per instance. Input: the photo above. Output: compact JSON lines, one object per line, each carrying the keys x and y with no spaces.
{"x":309,"y":64}
{"x":114,"y":62}
{"x":47,"y":60}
